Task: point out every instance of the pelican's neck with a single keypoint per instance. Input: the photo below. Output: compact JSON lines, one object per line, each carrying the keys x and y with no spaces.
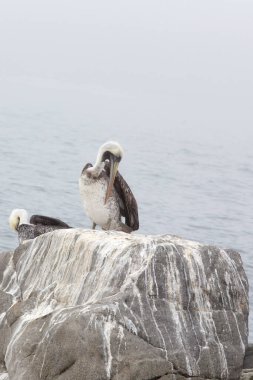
{"x":99,"y":165}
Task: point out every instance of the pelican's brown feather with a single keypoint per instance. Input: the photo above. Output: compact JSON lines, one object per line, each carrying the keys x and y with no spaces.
{"x":128,"y":204}
{"x":48,"y":221}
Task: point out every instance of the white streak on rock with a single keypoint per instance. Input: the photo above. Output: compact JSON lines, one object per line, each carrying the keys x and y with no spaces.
{"x":106,"y":330}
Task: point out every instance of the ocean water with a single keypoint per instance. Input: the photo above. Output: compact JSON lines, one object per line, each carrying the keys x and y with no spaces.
{"x":190,"y":179}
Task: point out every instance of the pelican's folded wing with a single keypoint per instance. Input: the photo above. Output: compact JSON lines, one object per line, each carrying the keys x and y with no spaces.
{"x":47,"y":221}
{"x":128,"y":204}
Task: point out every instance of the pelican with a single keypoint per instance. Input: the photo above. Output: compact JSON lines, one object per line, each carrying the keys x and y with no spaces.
{"x":29,"y":228}
{"x":105,"y":194}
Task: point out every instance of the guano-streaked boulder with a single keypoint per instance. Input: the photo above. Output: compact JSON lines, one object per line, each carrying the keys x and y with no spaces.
{"x":80,"y":304}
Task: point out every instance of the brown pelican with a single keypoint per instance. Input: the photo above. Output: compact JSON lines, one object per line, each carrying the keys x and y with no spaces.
{"x":105,"y":194}
{"x":33,"y":227}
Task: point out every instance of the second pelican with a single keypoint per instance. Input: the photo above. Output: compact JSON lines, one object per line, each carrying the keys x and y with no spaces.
{"x":30,"y":228}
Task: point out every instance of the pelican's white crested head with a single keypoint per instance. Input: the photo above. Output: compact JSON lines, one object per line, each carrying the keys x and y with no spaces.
{"x":18,"y":216}
{"x":108,"y":149}
{"x":112,"y":147}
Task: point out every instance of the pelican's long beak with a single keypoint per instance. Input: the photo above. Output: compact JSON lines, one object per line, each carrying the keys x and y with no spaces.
{"x":113,"y":172}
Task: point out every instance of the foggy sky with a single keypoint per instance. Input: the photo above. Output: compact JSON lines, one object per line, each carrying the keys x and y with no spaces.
{"x":158,"y":62}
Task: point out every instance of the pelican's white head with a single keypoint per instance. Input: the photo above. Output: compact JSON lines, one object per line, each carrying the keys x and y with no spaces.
{"x":110,"y":148}
{"x":113,"y":152}
{"x":17,"y":217}
{"x":106,"y":152}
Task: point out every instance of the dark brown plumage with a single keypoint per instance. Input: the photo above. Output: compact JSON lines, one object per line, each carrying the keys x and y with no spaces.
{"x":48,"y":221}
{"x":128,"y":204}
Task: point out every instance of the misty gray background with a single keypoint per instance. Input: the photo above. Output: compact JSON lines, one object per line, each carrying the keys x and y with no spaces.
{"x":171,"y":80}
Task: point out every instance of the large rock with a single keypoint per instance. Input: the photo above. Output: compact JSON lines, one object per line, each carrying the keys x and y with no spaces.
{"x":81,"y":304}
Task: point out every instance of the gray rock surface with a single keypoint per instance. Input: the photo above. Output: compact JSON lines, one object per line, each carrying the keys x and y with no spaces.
{"x":81,"y":304}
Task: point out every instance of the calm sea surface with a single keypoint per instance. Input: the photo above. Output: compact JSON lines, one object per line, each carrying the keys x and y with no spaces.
{"x":191,"y":179}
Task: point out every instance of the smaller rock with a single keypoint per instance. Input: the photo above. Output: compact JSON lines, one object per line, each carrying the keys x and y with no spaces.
{"x":4,"y":376}
{"x":248,"y":359}
{"x":247,"y":374}
{"x":3,"y":373}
